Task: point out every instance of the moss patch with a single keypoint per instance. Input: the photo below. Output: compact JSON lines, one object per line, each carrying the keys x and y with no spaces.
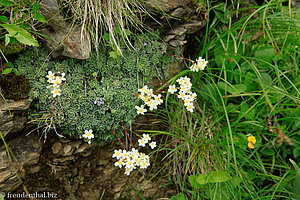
{"x":14,"y":86}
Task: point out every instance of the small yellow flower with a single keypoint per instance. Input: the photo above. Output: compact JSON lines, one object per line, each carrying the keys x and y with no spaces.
{"x":251,"y":139}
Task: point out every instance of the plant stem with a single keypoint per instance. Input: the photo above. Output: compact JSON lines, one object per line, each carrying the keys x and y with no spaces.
{"x":119,"y":139}
{"x":127,"y":135}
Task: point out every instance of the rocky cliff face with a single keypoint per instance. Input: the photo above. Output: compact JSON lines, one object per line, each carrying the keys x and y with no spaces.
{"x":179,"y":18}
{"x":19,"y":151}
{"x":12,"y":116}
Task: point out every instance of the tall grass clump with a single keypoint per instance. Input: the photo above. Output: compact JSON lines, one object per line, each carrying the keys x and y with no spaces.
{"x":113,"y":17}
{"x":242,"y":140}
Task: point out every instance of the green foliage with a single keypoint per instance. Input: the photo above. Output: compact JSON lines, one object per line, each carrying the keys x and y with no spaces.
{"x":248,"y":79}
{"x":179,"y":196}
{"x":11,"y":48}
{"x":14,"y":86}
{"x":252,"y":76}
{"x":20,"y":34}
{"x":17,"y":30}
{"x":113,"y":81}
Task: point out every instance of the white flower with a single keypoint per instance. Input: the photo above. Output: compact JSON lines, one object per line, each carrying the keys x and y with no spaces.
{"x":142,"y":96}
{"x":56,"y":82}
{"x":172,"y":89}
{"x":187,"y":102}
{"x":129,"y":164}
{"x":127,"y":171}
{"x":152,"y":145}
{"x":183,"y":89}
{"x":146,"y":138}
{"x":186,"y":79}
{"x":141,"y":110}
{"x":190,"y":107}
{"x":134,"y":155}
{"x":133,"y":150}
{"x":56,"y":91}
{"x":125,"y":154}
{"x":62,"y":76}
{"x":181,"y":95}
{"x":117,"y":154}
{"x":144,"y":164}
{"x":194,"y":68}
{"x":150,"y":92}
{"x":180,"y":80}
{"x":88,"y":134}
{"x":143,"y":156}
{"x":50,"y":76}
{"x":158,"y":99}
{"x":151,"y":104}
{"x":193,"y":95}
{"x":142,"y":142}
{"x":119,"y":164}
{"x":188,"y":85}
{"x":143,"y":89}
{"x":201,"y":63}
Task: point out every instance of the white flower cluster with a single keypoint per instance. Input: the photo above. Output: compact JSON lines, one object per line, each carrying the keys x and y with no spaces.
{"x":200,"y":64}
{"x":131,"y":159}
{"x":146,"y":138}
{"x":150,"y":99}
{"x":184,"y":93}
{"x":88,"y":136}
{"x":55,"y":81}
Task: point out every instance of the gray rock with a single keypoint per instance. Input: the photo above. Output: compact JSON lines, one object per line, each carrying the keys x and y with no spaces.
{"x":27,"y":152}
{"x":11,"y":119}
{"x":166,"y":5}
{"x":68,"y":150}
{"x":75,"y":144}
{"x":14,"y":105}
{"x":64,"y":160}
{"x":64,"y":140}
{"x":82,"y":147}
{"x":17,"y":124}
{"x":176,"y":36}
{"x":56,"y":147}
{"x":66,"y":40}
{"x":5,"y":116}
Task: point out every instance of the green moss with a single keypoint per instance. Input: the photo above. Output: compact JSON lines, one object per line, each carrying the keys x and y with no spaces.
{"x":14,"y":86}
{"x":11,"y":48}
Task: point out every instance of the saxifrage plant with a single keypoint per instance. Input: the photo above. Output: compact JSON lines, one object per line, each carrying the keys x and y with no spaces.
{"x":114,"y":82}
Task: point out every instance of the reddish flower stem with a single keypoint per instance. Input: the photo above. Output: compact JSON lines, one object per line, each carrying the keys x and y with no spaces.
{"x":119,"y":139}
{"x":127,"y":135}
{"x":179,"y":57}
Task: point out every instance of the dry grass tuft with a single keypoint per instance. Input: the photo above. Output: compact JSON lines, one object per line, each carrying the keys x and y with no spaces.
{"x":108,"y":16}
